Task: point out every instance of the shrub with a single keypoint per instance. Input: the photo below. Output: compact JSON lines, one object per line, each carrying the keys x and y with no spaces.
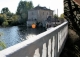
{"x":5,"y":23}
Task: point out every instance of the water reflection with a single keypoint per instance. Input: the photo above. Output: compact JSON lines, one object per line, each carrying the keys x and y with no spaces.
{"x":16,"y":34}
{"x":26,"y":33}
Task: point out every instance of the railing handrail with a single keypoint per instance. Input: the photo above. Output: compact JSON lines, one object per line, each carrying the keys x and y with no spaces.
{"x":26,"y":43}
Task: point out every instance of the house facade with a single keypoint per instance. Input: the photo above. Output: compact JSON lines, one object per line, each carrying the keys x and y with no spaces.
{"x":39,"y":13}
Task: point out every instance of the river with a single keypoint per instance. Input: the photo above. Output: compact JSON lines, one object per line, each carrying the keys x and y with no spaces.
{"x":13,"y":35}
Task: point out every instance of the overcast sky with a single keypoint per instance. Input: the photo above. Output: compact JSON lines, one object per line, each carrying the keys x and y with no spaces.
{"x":52,"y":4}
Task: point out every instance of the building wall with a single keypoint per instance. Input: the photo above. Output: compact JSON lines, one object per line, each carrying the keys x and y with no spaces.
{"x":39,"y":15}
{"x":51,"y":13}
{"x":29,"y":23}
{"x":32,"y":15}
{"x":42,"y":15}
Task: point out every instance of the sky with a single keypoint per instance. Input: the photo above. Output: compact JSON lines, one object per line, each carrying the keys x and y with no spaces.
{"x":51,"y":4}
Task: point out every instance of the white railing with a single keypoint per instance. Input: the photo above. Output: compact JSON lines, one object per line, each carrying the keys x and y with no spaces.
{"x":47,"y":44}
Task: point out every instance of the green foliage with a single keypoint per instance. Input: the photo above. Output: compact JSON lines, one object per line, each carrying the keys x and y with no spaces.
{"x":62,"y":15}
{"x":8,"y":18}
{"x":14,"y":19}
{"x":55,"y":16}
{"x":2,"y":44}
{"x":30,"y":5}
{"x":61,"y":18}
{"x":5,"y":23}
{"x":5,"y":10}
{"x":22,"y":10}
{"x":2,"y":18}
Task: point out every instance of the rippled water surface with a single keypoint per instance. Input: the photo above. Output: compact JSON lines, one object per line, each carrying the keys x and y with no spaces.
{"x":13,"y":35}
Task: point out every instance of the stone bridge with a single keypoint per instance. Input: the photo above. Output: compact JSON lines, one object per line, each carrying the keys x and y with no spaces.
{"x":47,"y":44}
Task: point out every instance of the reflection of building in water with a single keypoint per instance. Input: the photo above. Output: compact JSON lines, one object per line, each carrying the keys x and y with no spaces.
{"x":25,"y":32}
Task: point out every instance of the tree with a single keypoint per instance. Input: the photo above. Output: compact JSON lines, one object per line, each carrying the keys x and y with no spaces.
{"x":5,"y":10}
{"x":3,"y":17}
{"x":62,"y":15}
{"x":2,"y":44}
{"x":61,"y":18}
{"x":14,"y":20}
{"x":55,"y":16}
{"x":22,"y":10}
{"x":5,"y":23}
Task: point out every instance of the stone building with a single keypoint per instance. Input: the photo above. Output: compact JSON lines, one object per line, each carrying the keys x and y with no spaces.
{"x":39,"y":14}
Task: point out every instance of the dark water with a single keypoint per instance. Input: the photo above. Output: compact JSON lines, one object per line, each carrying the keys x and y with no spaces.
{"x":13,"y":35}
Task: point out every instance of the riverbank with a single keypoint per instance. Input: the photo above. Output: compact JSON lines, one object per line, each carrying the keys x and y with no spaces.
{"x":12,"y":25}
{"x":72,"y":45}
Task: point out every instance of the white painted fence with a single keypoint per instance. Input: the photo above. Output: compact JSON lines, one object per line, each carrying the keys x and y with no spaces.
{"x":47,"y":44}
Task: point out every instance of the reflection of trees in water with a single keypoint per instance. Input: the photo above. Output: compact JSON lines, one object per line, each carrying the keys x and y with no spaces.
{"x":22,"y":32}
{"x":2,"y":44}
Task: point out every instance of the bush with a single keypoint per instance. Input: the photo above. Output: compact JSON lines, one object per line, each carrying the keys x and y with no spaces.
{"x":2,"y":18}
{"x":2,"y":44}
{"x":5,"y":23}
